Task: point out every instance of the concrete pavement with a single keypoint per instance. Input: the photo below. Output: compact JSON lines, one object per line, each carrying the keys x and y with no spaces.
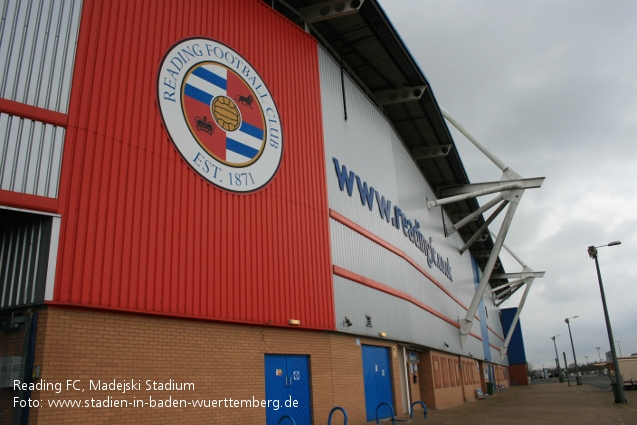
{"x":540,"y":404}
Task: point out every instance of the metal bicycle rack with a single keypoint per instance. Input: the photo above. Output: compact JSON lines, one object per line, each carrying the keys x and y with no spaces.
{"x":393,"y":420}
{"x":411,"y":409}
{"x":329,"y":418}
{"x":286,"y":417}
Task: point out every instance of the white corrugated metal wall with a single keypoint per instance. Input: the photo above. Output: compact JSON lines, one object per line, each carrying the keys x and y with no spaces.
{"x":38,"y":40}
{"x":367,"y":145}
{"x":30,"y":155}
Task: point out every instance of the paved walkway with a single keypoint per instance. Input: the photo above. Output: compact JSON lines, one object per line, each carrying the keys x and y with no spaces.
{"x":550,"y":403}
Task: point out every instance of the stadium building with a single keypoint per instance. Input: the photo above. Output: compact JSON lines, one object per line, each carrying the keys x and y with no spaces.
{"x":232,"y":211}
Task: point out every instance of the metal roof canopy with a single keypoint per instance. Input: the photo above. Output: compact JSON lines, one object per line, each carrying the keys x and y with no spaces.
{"x":373,"y":54}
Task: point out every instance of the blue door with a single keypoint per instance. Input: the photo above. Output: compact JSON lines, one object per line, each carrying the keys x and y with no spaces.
{"x":377,"y":378}
{"x":287,"y":387}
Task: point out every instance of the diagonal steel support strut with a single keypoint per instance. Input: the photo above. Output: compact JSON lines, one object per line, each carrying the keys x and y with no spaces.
{"x":528,"y":275}
{"x":511,"y":188}
{"x":467,"y":323}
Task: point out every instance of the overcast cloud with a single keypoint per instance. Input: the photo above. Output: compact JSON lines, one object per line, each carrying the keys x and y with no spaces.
{"x":551,"y":88}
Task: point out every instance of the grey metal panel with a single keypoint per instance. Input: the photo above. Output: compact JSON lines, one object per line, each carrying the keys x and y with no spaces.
{"x":399,"y":319}
{"x":357,"y":254}
{"x":30,"y":156}
{"x":38,"y":40}
{"x":361,"y":148}
{"x":24,"y":257}
{"x":367,"y":144}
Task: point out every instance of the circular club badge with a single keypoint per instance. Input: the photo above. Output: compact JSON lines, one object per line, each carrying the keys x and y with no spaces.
{"x":220,"y":115}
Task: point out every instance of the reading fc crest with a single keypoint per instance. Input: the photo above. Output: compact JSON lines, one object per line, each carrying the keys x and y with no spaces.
{"x":220,"y":115}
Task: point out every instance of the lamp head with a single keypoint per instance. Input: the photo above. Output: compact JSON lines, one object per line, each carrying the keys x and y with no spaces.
{"x":592,"y":250}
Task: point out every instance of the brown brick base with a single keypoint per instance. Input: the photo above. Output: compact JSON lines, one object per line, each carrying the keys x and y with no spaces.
{"x":220,"y":360}
{"x":447,"y":380}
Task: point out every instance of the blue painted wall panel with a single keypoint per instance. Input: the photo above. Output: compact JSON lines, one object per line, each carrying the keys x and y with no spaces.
{"x":516,"y":351}
{"x":484,"y":331}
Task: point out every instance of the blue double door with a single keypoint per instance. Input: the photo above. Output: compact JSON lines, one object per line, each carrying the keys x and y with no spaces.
{"x":377,"y":378}
{"x":287,"y":387}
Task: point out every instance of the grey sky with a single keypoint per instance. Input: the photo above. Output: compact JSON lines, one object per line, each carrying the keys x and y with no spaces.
{"x":551,"y":88}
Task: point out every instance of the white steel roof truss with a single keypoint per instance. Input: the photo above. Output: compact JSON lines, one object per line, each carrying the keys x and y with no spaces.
{"x":484,"y":227}
{"x":504,"y":295}
{"x":510,"y":181}
{"x":455,"y":227}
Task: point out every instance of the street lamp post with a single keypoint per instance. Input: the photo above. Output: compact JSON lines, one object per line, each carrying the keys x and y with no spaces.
{"x":599,"y":354}
{"x":618,"y":387}
{"x":566,"y":367}
{"x":568,"y":323}
{"x":557,"y":358}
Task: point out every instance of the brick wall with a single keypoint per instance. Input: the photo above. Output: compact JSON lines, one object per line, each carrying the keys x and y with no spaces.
{"x":414,"y":388}
{"x":221,"y":360}
{"x":425,"y":377}
{"x":518,"y":374}
{"x":441,"y":380}
{"x":502,"y":376}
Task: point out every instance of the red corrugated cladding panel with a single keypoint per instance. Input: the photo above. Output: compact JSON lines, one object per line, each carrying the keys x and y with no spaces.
{"x":141,"y":231}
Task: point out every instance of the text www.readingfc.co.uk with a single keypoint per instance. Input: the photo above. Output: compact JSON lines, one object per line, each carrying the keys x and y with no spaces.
{"x":157,"y":402}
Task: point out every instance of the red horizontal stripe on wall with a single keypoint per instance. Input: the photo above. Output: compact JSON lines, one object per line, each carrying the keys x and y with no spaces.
{"x":369,"y":235}
{"x":372,"y":237}
{"x":495,"y":347}
{"x":33,"y":112}
{"x":32,"y":202}
{"x":339,"y":271}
